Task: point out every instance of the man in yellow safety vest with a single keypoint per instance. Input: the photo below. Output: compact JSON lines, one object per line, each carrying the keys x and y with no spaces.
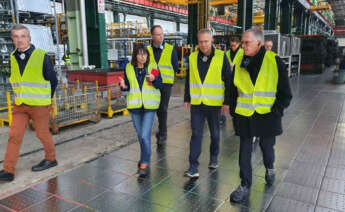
{"x":260,"y":91}
{"x":207,"y":95}
{"x":164,"y":56}
{"x":33,"y":81}
{"x":234,"y":54}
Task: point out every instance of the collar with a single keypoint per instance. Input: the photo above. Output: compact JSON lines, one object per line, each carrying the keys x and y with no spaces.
{"x":205,"y":58}
{"x":26,"y":51}
{"x":247,"y":60}
{"x":234,"y":52}
{"x":161,"y":46}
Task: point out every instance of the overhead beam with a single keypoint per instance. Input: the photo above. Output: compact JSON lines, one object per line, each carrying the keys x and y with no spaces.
{"x":185,"y":2}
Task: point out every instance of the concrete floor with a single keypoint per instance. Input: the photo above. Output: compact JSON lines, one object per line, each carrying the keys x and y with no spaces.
{"x":310,"y":164}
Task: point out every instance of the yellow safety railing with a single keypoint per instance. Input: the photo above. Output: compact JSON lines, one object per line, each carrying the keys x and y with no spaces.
{"x":183,"y":68}
{"x":112,"y":101}
{"x":6,"y":117}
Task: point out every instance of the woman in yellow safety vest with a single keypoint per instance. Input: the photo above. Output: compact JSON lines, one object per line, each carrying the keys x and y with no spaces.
{"x":142,"y":81}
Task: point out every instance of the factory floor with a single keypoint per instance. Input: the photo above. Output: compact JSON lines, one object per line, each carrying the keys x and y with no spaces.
{"x":98,"y":163}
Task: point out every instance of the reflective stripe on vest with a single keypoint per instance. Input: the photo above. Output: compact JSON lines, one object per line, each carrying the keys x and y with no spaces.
{"x":164,"y":64}
{"x":149,"y":96}
{"x":31,"y":84}
{"x":238,"y":57}
{"x":30,"y":88}
{"x":194,"y":85}
{"x":261,"y":97}
{"x":211,"y":92}
{"x":30,"y":95}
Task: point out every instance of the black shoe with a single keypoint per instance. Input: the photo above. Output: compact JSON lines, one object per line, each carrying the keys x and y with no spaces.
{"x":43,"y":165}
{"x":270,"y":176}
{"x":144,"y":172}
{"x":191,"y":174}
{"x":222,"y":120}
{"x":6,"y":176}
{"x":161,"y":141}
{"x":213,"y":165}
{"x":240,"y":194}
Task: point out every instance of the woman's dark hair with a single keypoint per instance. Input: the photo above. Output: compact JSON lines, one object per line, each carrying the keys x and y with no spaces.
{"x":235,"y":39}
{"x":139,"y":48}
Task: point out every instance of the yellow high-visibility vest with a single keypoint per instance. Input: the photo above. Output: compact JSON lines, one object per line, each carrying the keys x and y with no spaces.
{"x":238,"y":56}
{"x":164,"y":64}
{"x":261,"y":97}
{"x":211,"y":91}
{"x":149,"y":96}
{"x":30,"y":88}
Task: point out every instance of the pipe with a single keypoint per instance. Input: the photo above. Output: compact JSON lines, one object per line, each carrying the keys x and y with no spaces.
{"x":83,"y":30}
{"x":244,"y":15}
{"x":57,"y":40}
{"x":62,"y":6}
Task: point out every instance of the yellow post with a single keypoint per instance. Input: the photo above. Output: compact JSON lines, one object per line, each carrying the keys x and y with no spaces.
{"x":73,"y":100}
{"x":110,"y":110}
{"x":97,"y":91}
{"x":8,"y":97}
{"x":65,"y":96}
{"x":78,"y":85}
{"x":55,"y":108}
{"x":182,"y":60}
{"x":85,"y":98}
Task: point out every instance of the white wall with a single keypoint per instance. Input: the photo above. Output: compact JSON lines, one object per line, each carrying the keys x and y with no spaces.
{"x":109,"y":17}
{"x":184,"y":28}
{"x":168,"y":27}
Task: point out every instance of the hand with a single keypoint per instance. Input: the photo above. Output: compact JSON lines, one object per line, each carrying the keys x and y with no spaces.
{"x":232,"y":66}
{"x":187,"y":105}
{"x":122,"y":84}
{"x":50,"y":108}
{"x":225,"y":109}
{"x":150,"y":77}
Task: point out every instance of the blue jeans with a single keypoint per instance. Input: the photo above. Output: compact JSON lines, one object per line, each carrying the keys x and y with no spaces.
{"x":143,"y":122}
{"x":198,"y":117}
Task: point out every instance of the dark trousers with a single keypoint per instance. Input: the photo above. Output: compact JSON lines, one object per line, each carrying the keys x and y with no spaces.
{"x":198,"y":117}
{"x":162,"y":112}
{"x":246,"y":147}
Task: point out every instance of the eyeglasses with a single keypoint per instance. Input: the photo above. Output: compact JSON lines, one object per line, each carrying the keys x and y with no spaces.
{"x":142,"y":54}
{"x":246,"y":42}
{"x":157,"y":34}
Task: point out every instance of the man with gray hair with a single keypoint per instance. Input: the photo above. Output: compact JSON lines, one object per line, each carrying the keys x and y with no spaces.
{"x":260,"y":91}
{"x":33,"y":81}
{"x":207,"y":95}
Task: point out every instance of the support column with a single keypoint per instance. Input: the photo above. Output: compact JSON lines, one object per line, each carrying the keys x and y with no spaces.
{"x":74,"y":33}
{"x":116,"y":16}
{"x":274,"y":14}
{"x":271,"y":14}
{"x":149,"y":20}
{"x":245,"y":15}
{"x":178,"y":26}
{"x":96,"y":34}
{"x":302,"y":26}
{"x":203,"y":7}
{"x":298,"y":20}
{"x":192,"y":23}
{"x":286,"y":16}
{"x":267,"y":14}
{"x":307,"y":24}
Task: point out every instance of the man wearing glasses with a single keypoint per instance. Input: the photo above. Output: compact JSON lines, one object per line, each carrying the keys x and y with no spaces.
{"x":260,"y":91}
{"x":165,"y":56}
